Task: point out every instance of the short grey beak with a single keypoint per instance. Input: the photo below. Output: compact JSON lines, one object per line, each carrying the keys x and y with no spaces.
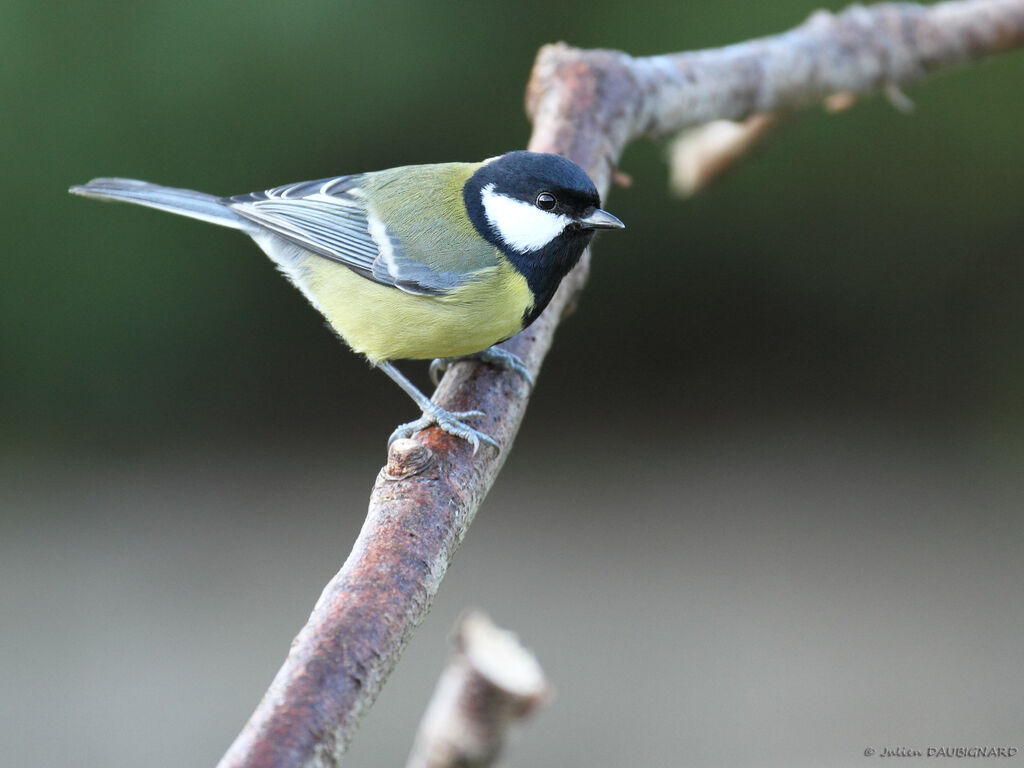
{"x":601,"y":220}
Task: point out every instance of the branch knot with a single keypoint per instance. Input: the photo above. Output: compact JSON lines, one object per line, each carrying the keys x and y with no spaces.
{"x":406,"y":458}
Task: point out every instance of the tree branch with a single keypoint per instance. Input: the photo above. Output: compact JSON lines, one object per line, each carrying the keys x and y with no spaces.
{"x":490,"y":682}
{"x":586,"y":105}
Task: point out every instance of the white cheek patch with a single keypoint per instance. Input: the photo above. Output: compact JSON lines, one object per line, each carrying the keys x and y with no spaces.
{"x":523,"y":227}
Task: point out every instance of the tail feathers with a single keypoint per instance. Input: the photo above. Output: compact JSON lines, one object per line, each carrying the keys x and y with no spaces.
{"x":186,"y":202}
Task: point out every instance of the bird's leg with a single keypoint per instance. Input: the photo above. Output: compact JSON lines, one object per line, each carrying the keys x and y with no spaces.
{"x":495,"y":356}
{"x":449,"y":421}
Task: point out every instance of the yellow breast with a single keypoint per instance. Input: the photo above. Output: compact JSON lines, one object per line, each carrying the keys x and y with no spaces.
{"x":386,"y":323}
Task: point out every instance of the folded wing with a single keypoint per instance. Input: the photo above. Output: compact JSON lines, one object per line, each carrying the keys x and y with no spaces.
{"x":330,"y":218}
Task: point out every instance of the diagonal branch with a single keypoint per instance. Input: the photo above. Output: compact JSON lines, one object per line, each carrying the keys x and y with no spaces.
{"x":587,"y":105}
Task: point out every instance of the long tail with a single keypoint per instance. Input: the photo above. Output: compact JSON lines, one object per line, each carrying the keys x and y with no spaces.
{"x":186,"y":202}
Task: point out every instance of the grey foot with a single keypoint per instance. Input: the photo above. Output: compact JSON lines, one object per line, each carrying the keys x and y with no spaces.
{"x":450,"y":422}
{"x":492,"y":356}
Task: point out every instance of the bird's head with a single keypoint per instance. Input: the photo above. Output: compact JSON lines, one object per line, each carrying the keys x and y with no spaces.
{"x":540,"y":211}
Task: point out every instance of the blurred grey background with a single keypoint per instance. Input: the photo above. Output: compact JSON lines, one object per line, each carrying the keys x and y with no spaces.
{"x":766,"y":505}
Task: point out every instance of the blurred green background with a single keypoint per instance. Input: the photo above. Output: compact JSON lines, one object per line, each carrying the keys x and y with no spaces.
{"x":179,"y":431}
{"x":866,"y":260}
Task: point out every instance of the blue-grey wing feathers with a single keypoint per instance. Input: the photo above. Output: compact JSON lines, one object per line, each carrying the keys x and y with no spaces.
{"x":333,"y":225}
{"x":327,"y":216}
{"x":330,"y":218}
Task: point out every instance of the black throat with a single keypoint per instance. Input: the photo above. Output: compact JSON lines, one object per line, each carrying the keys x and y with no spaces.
{"x":544,"y":269}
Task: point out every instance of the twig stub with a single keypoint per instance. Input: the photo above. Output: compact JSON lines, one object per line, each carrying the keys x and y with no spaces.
{"x":406,"y":457}
{"x":490,"y":682}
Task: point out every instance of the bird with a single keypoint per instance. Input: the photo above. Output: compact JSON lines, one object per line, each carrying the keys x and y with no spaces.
{"x":417,"y":262}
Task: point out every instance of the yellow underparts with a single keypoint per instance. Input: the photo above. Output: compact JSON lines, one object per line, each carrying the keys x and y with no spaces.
{"x":386,"y":323}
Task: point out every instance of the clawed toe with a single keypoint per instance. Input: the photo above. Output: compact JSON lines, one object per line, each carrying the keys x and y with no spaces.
{"x":510,"y":362}
{"x":495,"y":356}
{"x":409,"y":429}
{"x":438,"y":367}
{"x":462,"y":415}
{"x":450,"y":422}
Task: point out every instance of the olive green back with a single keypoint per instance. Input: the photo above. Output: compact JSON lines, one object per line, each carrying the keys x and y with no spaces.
{"x":424,"y":209}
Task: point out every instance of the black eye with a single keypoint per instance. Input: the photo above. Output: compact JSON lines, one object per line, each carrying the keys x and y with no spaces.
{"x":546,"y":201}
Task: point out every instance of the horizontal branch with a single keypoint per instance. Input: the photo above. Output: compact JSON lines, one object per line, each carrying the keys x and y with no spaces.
{"x":586,"y":105}
{"x":859,"y":50}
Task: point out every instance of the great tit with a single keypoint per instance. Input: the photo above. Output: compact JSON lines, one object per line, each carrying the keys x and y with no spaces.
{"x":423,"y":261}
